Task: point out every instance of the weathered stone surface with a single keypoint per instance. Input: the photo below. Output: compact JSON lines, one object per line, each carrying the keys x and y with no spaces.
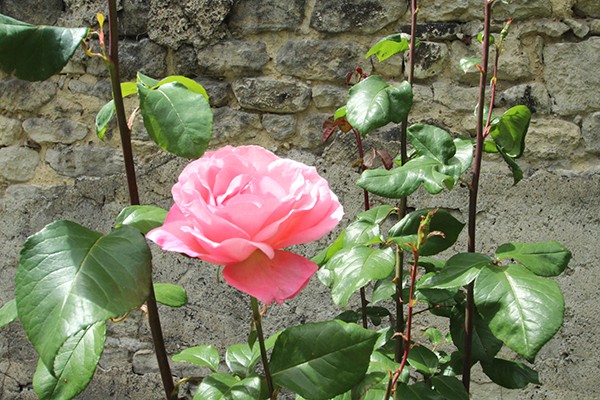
{"x":33,"y":11}
{"x":455,"y":97}
{"x":99,"y":88}
{"x":17,"y":95}
{"x":588,"y":8}
{"x":133,"y":17}
{"x":18,"y":164}
{"x":271,"y":95}
{"x":595,"y":27}
{"x":591,"y":133}
{"x":251,"y":16}
{"x":366,"y":16}
{"x":552,"y":139}
{"x":85,"y":160}
{"x":329,"y":96}
{"x":232,"y":125}
{"x":580,"y":29}
{"x":218,"y":92}
{"x":65,"y":131}
{"x":571,"y":85}
{"x":431,"y":58}
{"x":186,"y":61}
{"x":325,"y":60}
{"x":83,"y":12}
{"x":310,"y":132}
{"x":280,"y":127}
{"x":10,"y":129}
{"x":459,"y":10}
{"x":233,"y":58}
{"x":533,"y":95}
{"x":541,"y":26}
{"x":522,"y":9}
{"x":435,"y":30}
{"x":144,"y":56}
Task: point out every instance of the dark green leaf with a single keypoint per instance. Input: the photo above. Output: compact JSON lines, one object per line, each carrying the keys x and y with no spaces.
{"x":423,"y":360}
{"x":543,"y":259}
{"x":108,"y":112}
{"x":373,"y":103}
{"x":388,"y":46}
{"x":70,"y":277}
{"x":376,"y":215}
{"x":170,"y":295}
{"x":35,"y":53}
{"x":204,"y":356}
{"x":510,"y":374}
{"x":434,"y":296}
{"x":484,"y":344}
{"x":74,"y":365}
{"x":460,"y":270}
{"x":509,"y":130}
{"x":431,"y":141}
{"x":326,"y":254}
{"x":449,"y":387}
{"x":8,"y":313}
{"x":143,"y":218}
{"x":348,"y":316}
{"x":240,"y":359}
{"x":179,"y":120}
{"x":383,"y":290}
{"x":418,"y":391}
{"x":320,"y":361}
{"x":514,"y":167}
{"x":522,"y":309}
{"x":227,"y":387}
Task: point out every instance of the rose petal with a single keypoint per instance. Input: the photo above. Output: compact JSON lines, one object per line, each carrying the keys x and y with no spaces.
{"x":276,"y":279}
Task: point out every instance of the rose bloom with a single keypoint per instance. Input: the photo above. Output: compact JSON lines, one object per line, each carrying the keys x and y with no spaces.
{"x":238,"y":207}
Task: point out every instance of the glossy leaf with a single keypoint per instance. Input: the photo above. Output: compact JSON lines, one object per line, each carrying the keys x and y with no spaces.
{"x":376,"y":215}
{"x":388,"y":46}
{"x":383,"y":290}
{"x":460,"y":270}
{"x":434,"y":335}
{"x":203,"y":356}
{"x":170,"y":295}
{"x":514,"y":167}
{"x":35,"y":53}
{"x":340,"y":113}
{"x":522,"y":309}
{"x":179,"y":120}
{"x":442,"y":221}
{"x":485,"y":345}
{"x":240,"y":359}
{"x":510,"y":374}
{"x":352,"y":268}
{"x":108,"y":112}
{"x":143,"y":218}
{"x":74,"y":366}
{"x":227,"y":387}
{"x":423,"y":360}
{"x":417,"y":391}
{"x":325,"y":255}
{"x":434,"y":296}
{"x":543,"y":259}
{"x":373,"y":103}
{"x":187,"y":82}
{"x":449,"y":387}
{"x":322,"y":360}
{"x":509,"y":130}
{"x":8,"y":313}
{"x":432,"y":142}
{"x":360,"y":232}
{"x":146,"y":80}
{"x":70,"y":277}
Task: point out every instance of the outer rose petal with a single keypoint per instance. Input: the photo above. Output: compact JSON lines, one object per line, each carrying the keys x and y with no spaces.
{"x":276,"y":279}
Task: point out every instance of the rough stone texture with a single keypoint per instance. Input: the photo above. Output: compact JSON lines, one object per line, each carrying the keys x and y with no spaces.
{"x":520,"y":10}
{"x":84,"y":161}
{"x":18,"y":164}
{"x":455,"y":97}
{"x":231,"y":125}
{"x":550,"y":139}
{"x":534,"y":95}
{"x":435,"y":30}
{"x":367,"y":16}
{"x":65,"y":131}
{"x":579,"y":29}
{"x":10,"y":129}
{"x":33,"y":11}
{"x":251,"y":16}
{"x":280,"y":127}
{"x":466,"y":10}
{"x":329,"y":96}
{"x":573,"y":88}
{"x":271,"y":95}
{"x":144,"y":56}
{"x":316,"y":59}
{"x":233,"y":58}
{"x":546,"y":27}
{"x":133,"y":17}
{"x":430,"y":59}
{"x":588,"y":8}
{"x":591,"y":133}
{"x":218,"y":91}
{"x":25,"y":96}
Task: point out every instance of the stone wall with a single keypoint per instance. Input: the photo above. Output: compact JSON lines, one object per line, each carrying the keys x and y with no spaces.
{"x":275,"y":70}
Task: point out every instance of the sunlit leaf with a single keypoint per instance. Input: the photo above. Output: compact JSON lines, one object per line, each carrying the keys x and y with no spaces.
{"x":510,"y":129}
{"x":543,"y":259}
{"x":143,"y":218}
{"x":388,"y":46}
{"x":8,"y":313}
{"x":203,"y":356}
{"x":170,"y":294}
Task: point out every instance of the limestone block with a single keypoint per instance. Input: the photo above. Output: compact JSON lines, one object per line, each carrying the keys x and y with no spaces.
{"x":18,"y":95}
{"x":142,"y":56}
{"x":588,"y":8}
{"x":42,"y":130}
{"x":591,"y":133}
{"x":218,"y":92}
{"x":280,"y":127}
{"x":572,"y":86}
{"x":455,"y":97}
{"x":253,"y":16}
{"x":233,"y":58}
{"x":458,"y":10}
{"x":100,"y":88}
{"x":430,"y":59}
{"x":77,"y":161}
{"x":533,"y":95}
{"x":186,"y":61}
{"x":32,"y":11}
{"x":311,"y":131}
{"x":10,"y":129}
{"x":329,"y":96}
{"x":580,"y":29}
{"x":522,"y":9}
{"x":435,"y":30}
{"x":355,"y":15}
{"x":133,"y":18}
{"x":552,"y":139}
{"x":232,"y":125}
{"x":541,"y":26}
{"x":18,"y":164}
{"x":271,"y":95}
{"x":324,"y":60}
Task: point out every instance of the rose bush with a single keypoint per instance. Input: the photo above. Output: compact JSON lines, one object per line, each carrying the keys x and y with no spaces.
{"x":238,"y":207}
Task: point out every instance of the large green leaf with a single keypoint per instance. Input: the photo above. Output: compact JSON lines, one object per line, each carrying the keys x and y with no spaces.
{"x":432,"y":142}
{"x":143,"y":218}
{"x":360,"y":232}
{"x":423,"y":360}
{"x":204,"y":356}
{"x":510,"y":129}
{"x":35,"y":53}
{"x":418,"y":391}
{"x":352,"y":268}
{"x":70,"y":277}
{"x":449,"y":387}
{"x":74,"y":366}
{"x":388,"y":46}
{"x":8,"y":313}
{"x":322,"y":360}
{"x":170,"y":294}
{"x":376,"y":215}
{"x":178,"y":119}
{"x":442,"y":221}
{"x":543,"y":259}
{"x":373,"y":103}
{"x":241,"y":360}
{"x":460,"y":270}
{"x":227,"y":387}
{"x":484,"y":344}
{"x":514,"y":167}
{"x":522,"y":309}
{"x":510,"y":374}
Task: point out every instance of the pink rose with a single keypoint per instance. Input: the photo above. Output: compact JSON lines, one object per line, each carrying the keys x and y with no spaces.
{"x":238,"y":207}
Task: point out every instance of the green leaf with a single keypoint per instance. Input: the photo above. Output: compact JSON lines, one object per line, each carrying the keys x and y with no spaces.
{"x":326,"y":254}
{"x":360,"y":232}
{"x":435,"y":336}
{"x":514,"y":167}
{"x":322,"y":360}
{"x":170,"y":294}
{"x":543,"y":259}
{"x":418,"y":391}
{"x":460,"y":270}
{"x":241,"y":359}
{"x":179,"y":120}
{"x":376,"y":215}
{"x":510,"y":129}
{"x":8,"y":313}
{"x":442,"y":221}
{"x":74,"y":366}
{"x":388,"y":46}
{"x":522,"y":309}
{"x":187,"y":82}
{"x":485,"y":345}
{"x":108,"y":112}
{"x":35,"y":53}
{"x":434,"y":296}
{"x":373,"y":103}
{"x":352,"y":268}
{"x":449,"y":387}
{"x":339,"y":113}
{"x":510,"y":374}
{"x":383,"y":290}
{"x":143,"y":218}
{"x":70,"y":277}
{"x":423,"y":360}
{"x":146,"y":80}
{"x":491,"y":41}
{"x":203,"y":356}
{"x":227,"y":387}
{"x":469,"y":62}
{"x":431,"y":141}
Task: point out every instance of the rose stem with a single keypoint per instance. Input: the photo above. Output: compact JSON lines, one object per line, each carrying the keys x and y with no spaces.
{"x":261,"y":342}
{"x":125,"y":133}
